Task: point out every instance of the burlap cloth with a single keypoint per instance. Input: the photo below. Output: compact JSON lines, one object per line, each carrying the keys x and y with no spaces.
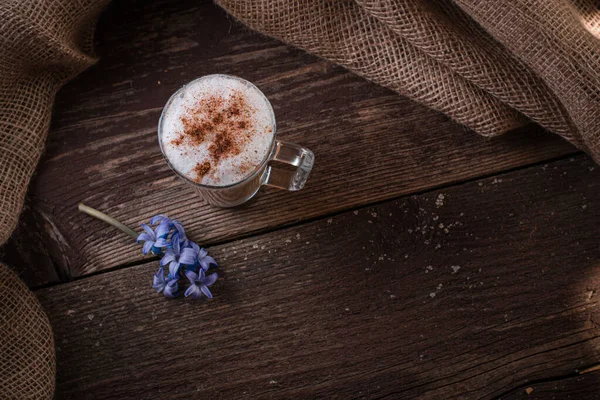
{"x":490,"y":65}
{"x":42,"y":45}
{"x":27,"y":364}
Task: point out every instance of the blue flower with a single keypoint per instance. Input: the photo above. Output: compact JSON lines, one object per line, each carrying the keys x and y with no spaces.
{"x":203,"y":259}
{"x":159,"y":282}
{"x":168,"y":239}
{"x":169,"y":287}
{"x":155,"y":240}
{"x":179,"y":228}
{"x":199,"y":284}
{"x":176,"y":256}
{"x":172,"y":288}
{"x":159,"y":218}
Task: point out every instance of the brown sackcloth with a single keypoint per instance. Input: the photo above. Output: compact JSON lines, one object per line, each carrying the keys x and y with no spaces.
{"x":42,"y":45}
{"x":27,"y":361}
{"x":488,"y":64}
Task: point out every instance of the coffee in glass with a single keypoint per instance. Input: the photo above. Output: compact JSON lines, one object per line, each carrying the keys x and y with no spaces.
{"x":218,"y":134}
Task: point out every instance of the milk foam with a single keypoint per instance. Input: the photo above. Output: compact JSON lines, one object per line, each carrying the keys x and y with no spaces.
{"x":217,"y":130}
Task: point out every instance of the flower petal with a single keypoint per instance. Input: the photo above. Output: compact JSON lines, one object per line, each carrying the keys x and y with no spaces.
{"x":144,"y":237}
{"x":171,"y":289}
{"x":202,"y":252}
{"x":147,"y":247}
{"x":192,"y":276}
{"x":194,"y":291}
{"x":167,"y":258}
{"x":148,"y":230}
{"x":206,"y":291}
{"x":177,"y":225}
{"x":174,"y":269}
{"x":175,"y":242}
{"x":188,"y":256}
{"x":206,"y":262}
{"x":162,"y":230}
{"x":162,"y":242}
{"x":157,"y":218}
{"x":158,"y":281}
{"x":212,"y":278}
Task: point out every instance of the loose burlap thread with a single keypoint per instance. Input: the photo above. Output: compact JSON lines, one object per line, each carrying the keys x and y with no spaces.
{"x":27,"y":364}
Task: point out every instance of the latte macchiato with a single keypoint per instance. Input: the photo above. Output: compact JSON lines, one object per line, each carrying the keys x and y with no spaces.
{"x":217,"y":130}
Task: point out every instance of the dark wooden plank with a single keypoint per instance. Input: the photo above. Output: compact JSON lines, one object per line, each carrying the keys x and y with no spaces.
{"x":370,"y":143}
{"x":577,"y":387}
{"x":464,"y":293}
{"x":27,"y":251}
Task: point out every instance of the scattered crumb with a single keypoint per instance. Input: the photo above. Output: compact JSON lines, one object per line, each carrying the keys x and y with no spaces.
{"x":438,"y":246}
{"x":273,"y":382}
{"x":262,"y":247}
{"x":428,"y":268}
{"x":432,"y":295}
{"x":455,"y":268}
{"x":70,"y":312}
{"x":255,"y":246}
{"x":369,"y":221}
{"x":591,"y":169}
{"x":439,"y":286}
{"x":495,"y":181}
{"x":584,"y":206}
{"x":90,"y":316}
{"x":347,"y":309}
{"x":441,"y":226}
{"x":288,"y":241}
{"x":529,"y":390}
{"x":440,"y":200}
{"x":373,"y":214}
{"x":480,"y":183}
{"x":330,"y":220}
{"x":307,"y":242}
{"x":297,"y":236}
{"x":392,"y":296}
{"x":356,"y":212}
{"x":436,"y":218}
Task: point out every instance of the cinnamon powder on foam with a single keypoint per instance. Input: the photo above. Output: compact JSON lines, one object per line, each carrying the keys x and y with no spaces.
{"x":226,"y":123}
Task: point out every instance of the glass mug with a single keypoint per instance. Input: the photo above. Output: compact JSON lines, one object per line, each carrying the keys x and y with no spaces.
{"x":263,"y":174}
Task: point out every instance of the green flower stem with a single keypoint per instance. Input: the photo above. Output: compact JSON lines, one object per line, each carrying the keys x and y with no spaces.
{"x":109,"y":220}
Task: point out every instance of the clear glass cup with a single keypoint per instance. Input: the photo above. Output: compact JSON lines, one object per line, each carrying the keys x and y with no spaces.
{"x":264,"y":173}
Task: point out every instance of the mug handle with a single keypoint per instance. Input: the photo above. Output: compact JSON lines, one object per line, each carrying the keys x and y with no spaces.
{"x":292,"y":154}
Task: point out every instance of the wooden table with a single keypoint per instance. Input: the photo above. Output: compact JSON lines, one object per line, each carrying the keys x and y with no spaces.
{"x":420,"y":261}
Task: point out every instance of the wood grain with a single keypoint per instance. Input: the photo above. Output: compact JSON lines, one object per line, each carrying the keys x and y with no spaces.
{"x":465,"y":292}
{"x":370,"y":144}
{"x":576,"y":387}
